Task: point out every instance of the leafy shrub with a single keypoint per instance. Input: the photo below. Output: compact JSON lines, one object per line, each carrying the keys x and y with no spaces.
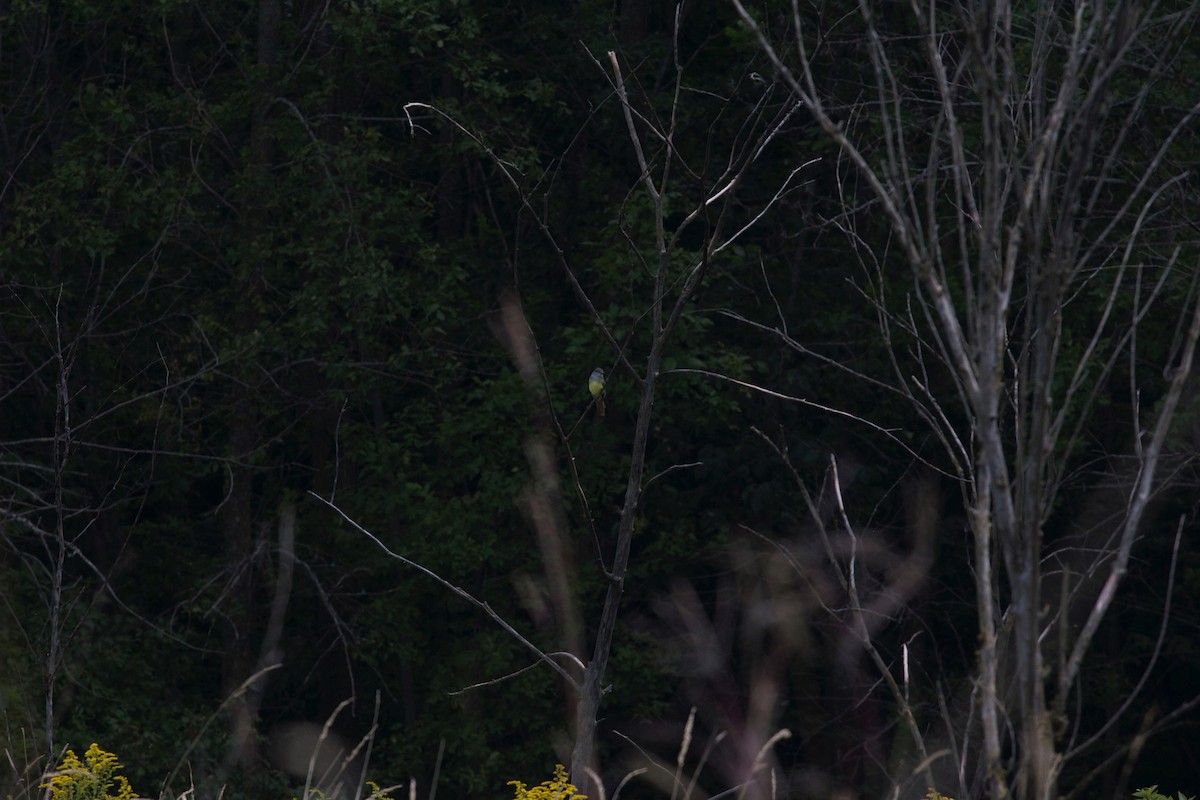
{"x":1149,"y":793}
{"x":1152,"y":793}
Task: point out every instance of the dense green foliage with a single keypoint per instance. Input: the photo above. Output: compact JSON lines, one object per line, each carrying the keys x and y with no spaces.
{"x":236,"y":267}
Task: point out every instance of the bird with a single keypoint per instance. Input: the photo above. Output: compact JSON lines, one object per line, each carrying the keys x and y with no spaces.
{"x":596,"y":387}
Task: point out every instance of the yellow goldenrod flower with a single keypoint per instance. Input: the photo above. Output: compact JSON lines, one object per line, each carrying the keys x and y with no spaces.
{"x":557,"y":788}
{"x":95,"y":778}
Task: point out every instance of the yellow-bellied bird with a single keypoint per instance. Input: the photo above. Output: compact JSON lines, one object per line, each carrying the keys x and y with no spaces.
{"x":596,"y":387}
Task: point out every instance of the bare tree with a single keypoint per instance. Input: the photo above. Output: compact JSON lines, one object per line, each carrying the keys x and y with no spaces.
{"x":653,"y":143}
{"x":1014,"y":180}
{"x":706,"y":200}
{"x":75,"y":458}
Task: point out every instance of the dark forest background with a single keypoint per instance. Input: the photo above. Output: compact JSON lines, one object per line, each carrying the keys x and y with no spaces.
{"x":238,"y":272}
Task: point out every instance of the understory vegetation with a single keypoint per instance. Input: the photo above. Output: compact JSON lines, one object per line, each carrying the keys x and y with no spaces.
{"x":891,"y":489}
